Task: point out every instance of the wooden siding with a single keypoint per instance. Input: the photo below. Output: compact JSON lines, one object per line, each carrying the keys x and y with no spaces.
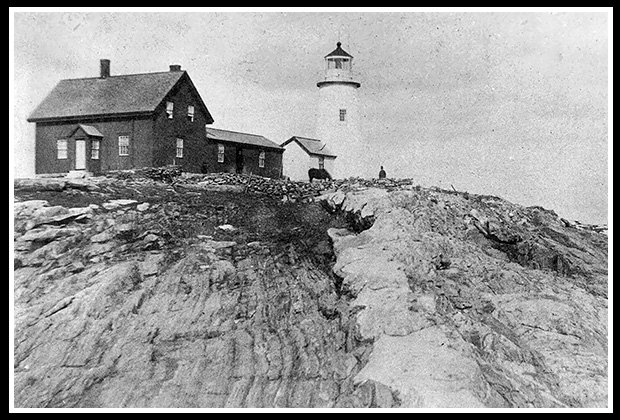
{"x":152,"y":142}
{"x":273,"y":159}
{"x":138,"y":129}
{"x":167,"y":130}
{"x":152,"y":138}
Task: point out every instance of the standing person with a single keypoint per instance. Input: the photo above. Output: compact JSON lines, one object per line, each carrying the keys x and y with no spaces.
{"x":382,"y":173}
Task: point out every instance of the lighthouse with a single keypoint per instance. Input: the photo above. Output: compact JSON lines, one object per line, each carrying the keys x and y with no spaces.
{"x":338,"y":123}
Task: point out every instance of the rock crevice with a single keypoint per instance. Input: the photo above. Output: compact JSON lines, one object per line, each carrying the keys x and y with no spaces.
{"x":473,"y":301}
{"x":235,"y":291}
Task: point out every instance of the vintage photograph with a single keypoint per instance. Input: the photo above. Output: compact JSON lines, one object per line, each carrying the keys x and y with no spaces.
{"x":313,"y":209}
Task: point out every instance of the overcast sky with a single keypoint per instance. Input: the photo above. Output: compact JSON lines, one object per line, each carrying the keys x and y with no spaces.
{"x":510,"y":104}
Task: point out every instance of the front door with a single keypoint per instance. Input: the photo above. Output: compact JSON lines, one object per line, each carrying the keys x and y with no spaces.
{"x":239,"y":160}
{"x":80,"y":154}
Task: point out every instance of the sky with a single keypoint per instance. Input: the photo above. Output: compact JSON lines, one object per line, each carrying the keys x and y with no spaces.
{"x":513,"y":104}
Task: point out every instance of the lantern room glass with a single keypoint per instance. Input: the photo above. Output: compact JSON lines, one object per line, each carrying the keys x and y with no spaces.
{"x":338,"y":63}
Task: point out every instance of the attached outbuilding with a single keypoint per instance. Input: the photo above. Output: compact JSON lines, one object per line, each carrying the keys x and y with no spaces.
{"x":242,"y":153}
{"x":301,"y":154}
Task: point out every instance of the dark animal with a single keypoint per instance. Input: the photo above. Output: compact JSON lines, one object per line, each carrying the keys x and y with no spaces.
{"x":314,"y":173}
{"x":382,"y":173}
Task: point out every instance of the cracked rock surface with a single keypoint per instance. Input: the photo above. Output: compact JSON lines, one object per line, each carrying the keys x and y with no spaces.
{"x":220,"y":291}
{"x":252,"y":334}
{"x":472,"y":301}
{"x":140,"y":298}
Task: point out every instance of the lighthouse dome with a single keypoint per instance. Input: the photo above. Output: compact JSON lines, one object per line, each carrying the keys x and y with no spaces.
{"x":338,"y":67}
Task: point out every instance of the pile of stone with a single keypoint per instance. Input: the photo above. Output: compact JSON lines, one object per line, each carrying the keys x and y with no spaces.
{"x":285,"y":189}
{"x":278,"y":188}
{"x":166,"y":174}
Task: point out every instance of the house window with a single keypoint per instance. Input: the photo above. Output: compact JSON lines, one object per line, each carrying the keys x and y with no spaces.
{"x":343,"y":114}
{"x":95,"y":145}
{"x":190,"y":113}
{"x":179,"y":148}
{"x":123,"y":145}
{"x":321,"y":162}
{"x":61,"y":149}
{"x":169,"y":109}
{"x":220,"y":153}
{"x":261,"y":159}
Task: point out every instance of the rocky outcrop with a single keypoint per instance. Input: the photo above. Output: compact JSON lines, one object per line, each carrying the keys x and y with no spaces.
{"x":472,"y":301}
{"x":203,"y":332}
{"x":184,"y":300}
{"x":222,"y":290}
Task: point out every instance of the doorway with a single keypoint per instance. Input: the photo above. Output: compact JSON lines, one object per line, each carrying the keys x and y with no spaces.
{"x":80,"y":154}
{"x":239,"y":160}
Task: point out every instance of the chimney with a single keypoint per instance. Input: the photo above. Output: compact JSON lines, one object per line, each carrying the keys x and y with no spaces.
{"x":104,"y":66}
{"x":175,"y":67}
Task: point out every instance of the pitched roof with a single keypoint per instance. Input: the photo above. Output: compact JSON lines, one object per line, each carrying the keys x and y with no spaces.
{"x":311,"y":146}
{"x":95,"y":96}
{"x":90,"y":130}
{"x":339,"y":52}
{"x":242,"y":138}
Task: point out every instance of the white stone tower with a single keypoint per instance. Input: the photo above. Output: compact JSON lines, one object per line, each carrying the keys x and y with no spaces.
{"x":338,"y":122}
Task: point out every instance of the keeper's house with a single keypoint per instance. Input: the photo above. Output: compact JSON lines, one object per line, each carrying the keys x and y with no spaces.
{"x":93,"y":125}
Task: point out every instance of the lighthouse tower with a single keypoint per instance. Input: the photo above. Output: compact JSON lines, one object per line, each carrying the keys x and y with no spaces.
{"x":338,"y":122}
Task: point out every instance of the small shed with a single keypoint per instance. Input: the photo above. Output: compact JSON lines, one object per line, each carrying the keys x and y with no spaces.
{"x":303,"y":153}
